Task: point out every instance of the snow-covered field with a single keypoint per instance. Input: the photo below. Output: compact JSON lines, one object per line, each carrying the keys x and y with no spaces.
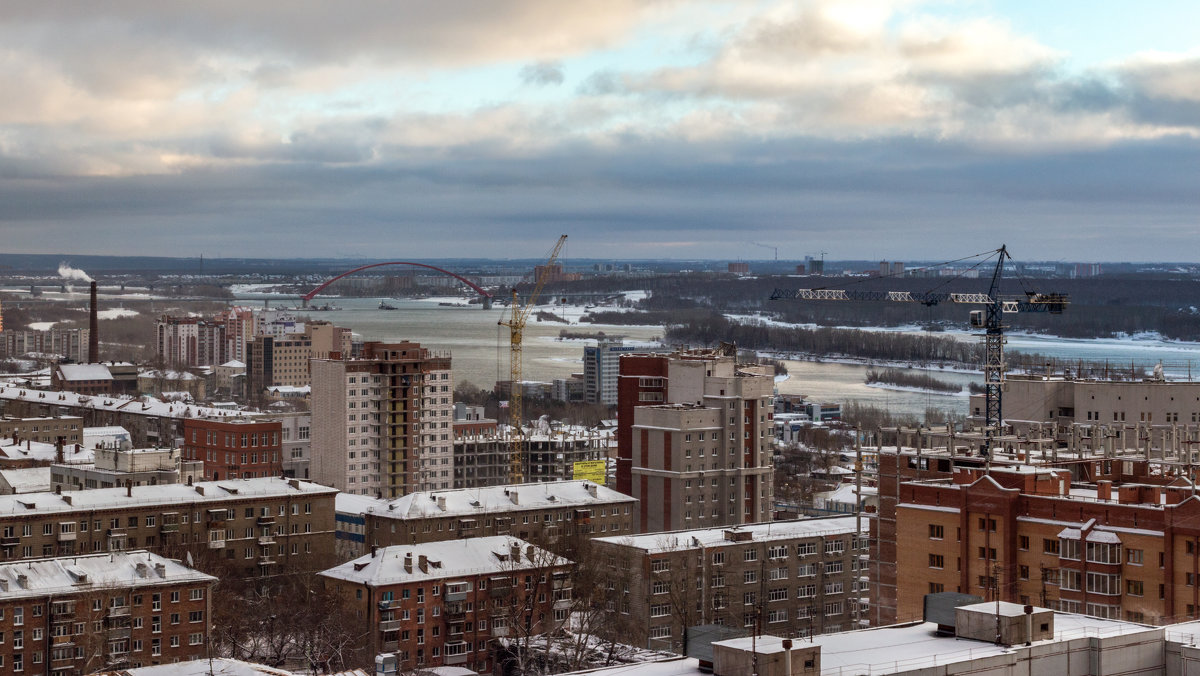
{"x":41,"y":326}
{"x":116,"y":313}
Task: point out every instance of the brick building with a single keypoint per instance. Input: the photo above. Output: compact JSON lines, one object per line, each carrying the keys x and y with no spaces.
{"x":247,"y":526}
{"x":534,"y":511}
{"x":233,"y":448}
{"x":81,"y":614}
{"x":45,"y":430}
{"x":786,"y":578}
{"x":693,"y":439}
{"x":441,"y":603}
{"x":1124,"y":545}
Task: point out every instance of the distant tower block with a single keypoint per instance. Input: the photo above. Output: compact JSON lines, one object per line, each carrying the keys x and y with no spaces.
{"x":897,"y":269}
{"x":739,"y":268}
{"x":800,"y":269}
{"x":884,"y":269}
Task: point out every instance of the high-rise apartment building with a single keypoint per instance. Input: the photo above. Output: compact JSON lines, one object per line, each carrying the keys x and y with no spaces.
{"x":190,"y":341}
{"x":693,"y":438}
{"x":601,"y":369}
{"x":370,"y":425}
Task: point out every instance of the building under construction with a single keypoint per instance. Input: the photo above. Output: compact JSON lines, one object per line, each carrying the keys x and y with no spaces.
{"x":1099,"y":518}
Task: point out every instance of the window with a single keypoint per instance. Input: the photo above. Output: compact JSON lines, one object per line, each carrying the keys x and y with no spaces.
{"x":937,"y":561}
{"x":806,"y":549}
{"x":1103,"y":552}
{"x":835,"y":546}
{"x":833,"y":608}
{"x":1134,"y":557}
{"x":1023,"y":542}
{"x":1069,"y":580}
{"x":1069,"y":549}
{"x":660,"y":565}
{"x":749,"y":576}
{"x":778,"y":552}
{"x":750,"y":555}
{"x":1049,"y":546}
{"x":806,"y":570}
{"x":987,"y":524}
{"x":1134,"y":588}
{"x":936,"y":531}
{"x":660,"y":610}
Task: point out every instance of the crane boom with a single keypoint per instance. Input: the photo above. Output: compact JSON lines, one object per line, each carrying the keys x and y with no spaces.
{"x":990,"y":319}
{"x":517,"y":317}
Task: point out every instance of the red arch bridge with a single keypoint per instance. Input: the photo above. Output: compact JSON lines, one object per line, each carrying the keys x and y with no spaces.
{"x":487,"y":297}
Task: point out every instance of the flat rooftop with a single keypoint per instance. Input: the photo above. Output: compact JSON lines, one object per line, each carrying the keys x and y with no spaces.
{"x":759,"y":532}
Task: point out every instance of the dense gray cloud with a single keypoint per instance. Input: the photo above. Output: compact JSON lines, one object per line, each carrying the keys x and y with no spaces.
{"x":287,"y":129}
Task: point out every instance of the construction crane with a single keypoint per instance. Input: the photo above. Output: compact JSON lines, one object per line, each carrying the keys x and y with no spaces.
{"x":517,"y":316}
{"x":990,"y":319}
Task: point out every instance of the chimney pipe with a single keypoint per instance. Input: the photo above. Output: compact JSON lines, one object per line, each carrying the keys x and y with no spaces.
{"x":94,"y":331}
{"x":58,"y":449}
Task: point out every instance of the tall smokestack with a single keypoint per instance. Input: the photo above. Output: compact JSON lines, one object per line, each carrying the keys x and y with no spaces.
{"x":94,"y":331}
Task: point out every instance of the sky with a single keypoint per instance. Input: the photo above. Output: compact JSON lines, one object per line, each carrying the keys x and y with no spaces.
{"x":889,"y":129}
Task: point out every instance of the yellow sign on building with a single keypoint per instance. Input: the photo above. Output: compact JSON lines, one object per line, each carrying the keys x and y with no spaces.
{"x":595,"y":471}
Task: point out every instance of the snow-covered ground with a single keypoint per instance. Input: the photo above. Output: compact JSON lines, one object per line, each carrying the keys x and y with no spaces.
{"x":116,"y":313}
{"x":41,"y":326}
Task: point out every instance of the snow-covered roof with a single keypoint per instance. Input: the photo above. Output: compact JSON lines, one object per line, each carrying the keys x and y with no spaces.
{"x":84,"y":372}
{"x":110,"y":570}
{"x":220,"y":666}
{"x":148,"y":406}
{"x":760,"y":532}
{"x":509,"y":498}
{"x":27,"y":479}
{"x":216,"y":492}
{"x":234,"y":364}
{"x":42,"y":452}
{"x":349,"y":503}
{"x":168,"y":375}
{"x":400,"y":564}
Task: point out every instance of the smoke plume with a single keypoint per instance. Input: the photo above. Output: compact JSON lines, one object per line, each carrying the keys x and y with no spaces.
{"x":67,"y":272}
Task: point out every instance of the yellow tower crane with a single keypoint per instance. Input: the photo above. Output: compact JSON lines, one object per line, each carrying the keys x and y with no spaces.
{"x":517,"y":317}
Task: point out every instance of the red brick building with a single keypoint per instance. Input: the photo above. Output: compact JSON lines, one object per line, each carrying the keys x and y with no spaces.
{"x":118,"y":610}
{"x":234,"y":448}
{"x":441,"y":603}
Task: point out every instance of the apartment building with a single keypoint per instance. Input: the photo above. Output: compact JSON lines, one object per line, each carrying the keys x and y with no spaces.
{"x":117,"y":466}
{"x":536,"y":511}
{"x":71,"y":344}
{"x":1068,"y":399}
{"x":234,"y":448}
{"x":693,"y":439}
{"x":442,"y":603}
{"x":244,"y":526}
{"x":371,"y":428}
{"x":786,"y":578}
{"x":1122,"y":545}
{"x":81,"y":614}
{"x":45,"y":430}
{"x":601,"y":369}
{"x":149,"y":422}
{"x":482,"y":455}
{"x":191,"y":341}
{"x":296,"y":443}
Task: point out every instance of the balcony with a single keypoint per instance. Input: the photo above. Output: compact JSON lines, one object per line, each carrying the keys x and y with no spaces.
{"x":456,"y":658}
{"x":389,"y":646}
{"x":389,"y":625}
{"x":265,"y":540}
{"x":11,"y":541}
{"x":170,"y":528}
{"x":216,"y":544}
{"x":266,"y":560}
{"x":455,"y":596}
{"x":118,"y":611}
{"x":499,"y":591}
{"x":67,"y":537}
{"x":499,"y":632}
{"x":266,"y":521}
{"x":117,"y":633}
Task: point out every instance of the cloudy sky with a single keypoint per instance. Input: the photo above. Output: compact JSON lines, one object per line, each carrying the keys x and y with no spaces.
{"x":642,"y":128}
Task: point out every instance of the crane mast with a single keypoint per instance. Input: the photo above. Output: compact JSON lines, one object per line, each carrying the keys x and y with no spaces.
{"x":517,"y":317}
{"x":990,"y":319}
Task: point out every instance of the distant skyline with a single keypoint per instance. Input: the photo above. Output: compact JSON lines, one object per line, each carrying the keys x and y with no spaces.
{"x":644,"y":129}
